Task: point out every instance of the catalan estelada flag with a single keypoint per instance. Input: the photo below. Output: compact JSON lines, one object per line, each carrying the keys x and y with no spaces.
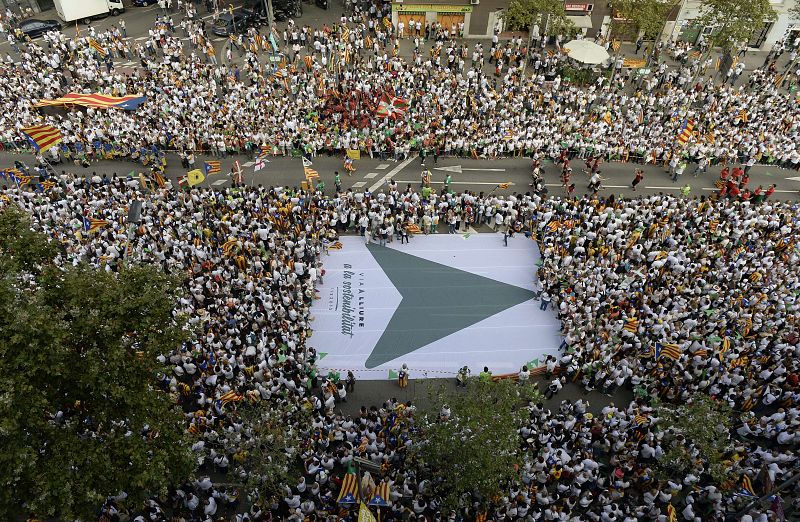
{"x":671,"y":351}
{"x":44,"y":186}
{"x":380,"y":495}
{"x":632,"y":324}
{"x":92,"y":224}
{"x":96,"y":101}
{"x":212,"y":167}
{"x":310,"y":173}
{"x":42,"y":137}
{"x":641,"y":420}
{"x":747,"y":487}
{"x":229,"y":246}
{"x":97,"y":47}
{"x":686,"y":131}
{"x":349,"y":492}
{"x":231,"y":396}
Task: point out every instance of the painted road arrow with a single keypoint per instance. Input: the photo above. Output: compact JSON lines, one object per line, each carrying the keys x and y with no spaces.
{"x":438,"y":300}
{"x":796,"y":178}
{"x":458,"y":169}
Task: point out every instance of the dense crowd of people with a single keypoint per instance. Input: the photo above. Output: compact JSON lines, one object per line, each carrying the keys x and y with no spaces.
{"x":674,"y":296}
{"x":323,"y":97}
{"x":629,"y":278}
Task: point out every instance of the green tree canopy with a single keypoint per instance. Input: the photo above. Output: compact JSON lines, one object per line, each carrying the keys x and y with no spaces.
{"x":734,"y":21}
{"x":80,"y":418}
{"x":270,"y":446}
{"x":702,"y":424}
{"x":477,"y":449}
{"x":522,"y":14}
{"x":649,"y":16}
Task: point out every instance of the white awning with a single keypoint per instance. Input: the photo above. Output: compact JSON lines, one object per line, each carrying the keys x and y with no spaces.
{"x":581,"y":22}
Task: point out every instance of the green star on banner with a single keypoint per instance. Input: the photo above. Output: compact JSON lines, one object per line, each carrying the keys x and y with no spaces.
{"x":533,"y":363}
{"x":322,"y":355}
{"x":393,"y":375}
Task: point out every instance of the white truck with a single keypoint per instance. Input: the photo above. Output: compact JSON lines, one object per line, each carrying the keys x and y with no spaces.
{"x":85,"y":10}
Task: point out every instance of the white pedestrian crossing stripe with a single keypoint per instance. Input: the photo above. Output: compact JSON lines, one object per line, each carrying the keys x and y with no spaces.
{"x":382,"y":166}
{"x":141,"y":38}
{"x":219,"y":182}
{"x":371,"y":175}
{"x":248,"y":164}
{"x":359,"y":184}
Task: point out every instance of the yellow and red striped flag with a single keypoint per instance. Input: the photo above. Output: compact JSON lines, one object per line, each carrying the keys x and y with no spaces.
{"x":42,"y":137}
{"x":97,"y":47}
{"x":632,"y":324}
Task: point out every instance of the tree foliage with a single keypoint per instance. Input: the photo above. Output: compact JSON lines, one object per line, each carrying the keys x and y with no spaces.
{"x":80,"y":419}
{"x":475,"y":450}
{"x":734,"y":21}
{"x":649,"y":16}
{"x":522,"y":14}
{"x":698,"y":434}
{"x":270,"y":446}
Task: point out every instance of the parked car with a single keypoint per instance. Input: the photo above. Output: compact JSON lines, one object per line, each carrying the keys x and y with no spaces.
{"x":144,"y":3}
{"x":34,"y":28}
{"x":228,"y":24}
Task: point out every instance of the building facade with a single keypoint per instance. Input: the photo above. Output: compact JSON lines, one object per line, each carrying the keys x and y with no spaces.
{"x":18,"y":6}
{"x":480,"y":18}
{"x":684,"y":28}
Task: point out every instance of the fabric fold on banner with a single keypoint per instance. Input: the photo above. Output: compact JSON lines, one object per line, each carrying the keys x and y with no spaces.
{"x":95,"y":101}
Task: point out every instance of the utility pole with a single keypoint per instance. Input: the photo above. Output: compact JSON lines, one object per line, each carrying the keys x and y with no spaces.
{"x":529,"y":47}
{"x":268,"y":12}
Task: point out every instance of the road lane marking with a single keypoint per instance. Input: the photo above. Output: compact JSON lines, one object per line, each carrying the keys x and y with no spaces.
{"x":370,"y":175}
{"x":359,"y":184}
{"x":391,"y":174}
{"x":382,"y":166}
{"x":495,"y":183}
{"x":219,"y":182}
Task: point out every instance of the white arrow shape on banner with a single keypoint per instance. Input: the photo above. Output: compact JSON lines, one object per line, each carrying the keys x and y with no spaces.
{"x":458,"y":169}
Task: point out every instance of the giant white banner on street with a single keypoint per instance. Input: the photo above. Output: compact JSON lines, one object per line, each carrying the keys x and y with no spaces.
{"x":436,"y":304}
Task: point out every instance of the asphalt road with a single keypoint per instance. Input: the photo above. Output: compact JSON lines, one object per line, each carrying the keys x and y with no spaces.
{"x":467,"y":174}
{"x":420,"y":392}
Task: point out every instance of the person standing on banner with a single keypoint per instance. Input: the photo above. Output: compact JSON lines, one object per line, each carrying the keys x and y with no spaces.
{"x":402,"y":376}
